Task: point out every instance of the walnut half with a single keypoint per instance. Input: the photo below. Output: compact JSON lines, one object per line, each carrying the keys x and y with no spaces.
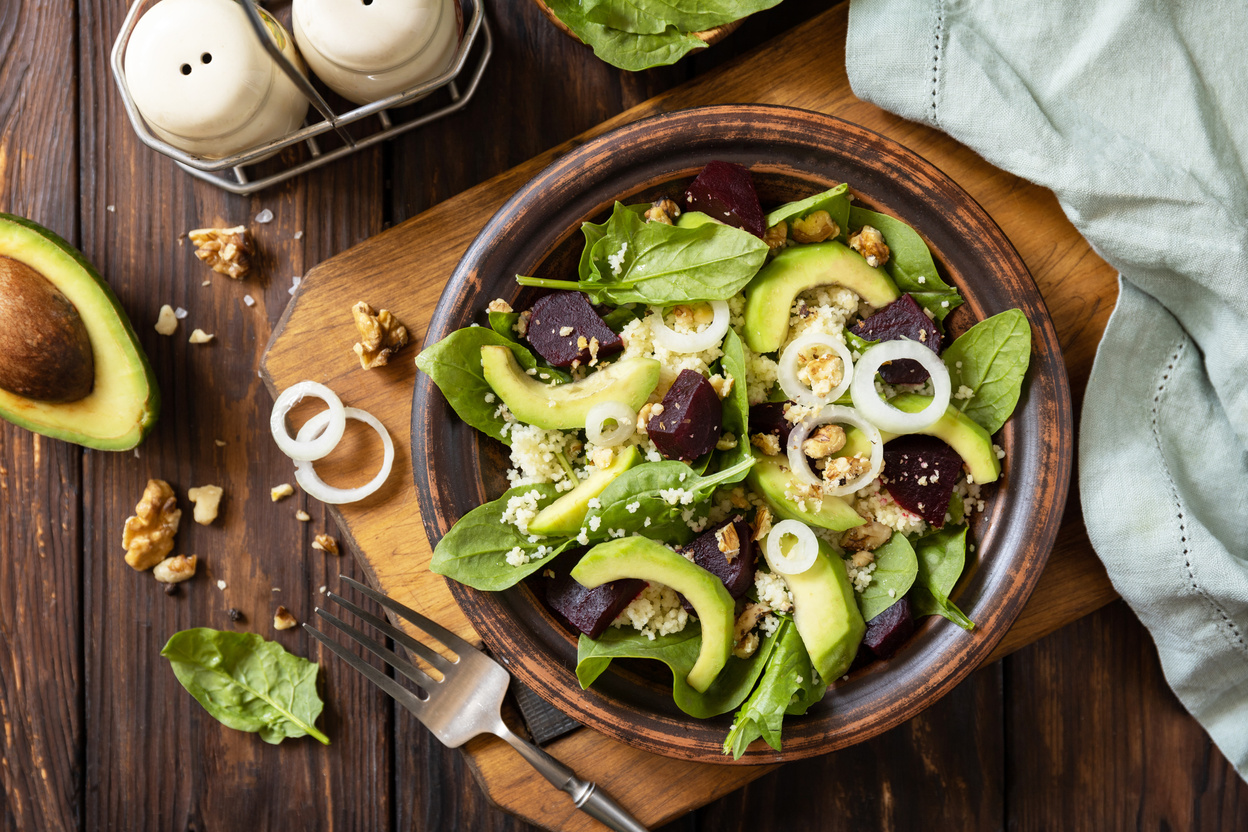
{"x":227,"y":250}
{"x":381,"y":335}
{"x":148,"y":535}
{"x":175,"y":570}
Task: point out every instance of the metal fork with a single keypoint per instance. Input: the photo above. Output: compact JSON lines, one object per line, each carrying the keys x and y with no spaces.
{"x":465,"y":702}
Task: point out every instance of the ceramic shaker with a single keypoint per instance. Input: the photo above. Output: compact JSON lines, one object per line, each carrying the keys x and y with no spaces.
{"x":203,"y":81}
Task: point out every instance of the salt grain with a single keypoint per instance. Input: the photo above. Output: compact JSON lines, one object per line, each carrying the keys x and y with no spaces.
{"x":249,"y":300}
{"x":180,"y":313}
{"x":264,"y":216}
{"x":220,"y":584}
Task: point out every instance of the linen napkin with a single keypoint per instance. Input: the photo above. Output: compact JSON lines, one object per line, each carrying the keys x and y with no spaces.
{"x":1135,"y":114}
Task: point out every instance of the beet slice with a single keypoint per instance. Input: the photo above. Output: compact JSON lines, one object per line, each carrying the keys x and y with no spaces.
{"x":590,"y":611}
{"x":571,"y":313}
{"x":768,"y":417}
{"x":738,"y":573}
{"x":889,"y":630}
{"x":903,"y":318}
{"x":920,"y":472}
{"x":724,"y":191}
{"x":692,"y":417}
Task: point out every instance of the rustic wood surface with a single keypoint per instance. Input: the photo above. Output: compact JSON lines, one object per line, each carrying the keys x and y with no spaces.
{"x":1076,"y":731}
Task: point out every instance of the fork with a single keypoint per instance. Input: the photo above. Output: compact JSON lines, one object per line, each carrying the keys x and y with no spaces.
{"x":466,"y":702}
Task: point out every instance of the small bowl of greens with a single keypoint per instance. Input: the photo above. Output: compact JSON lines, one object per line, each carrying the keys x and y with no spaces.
{"x":742,"y":434}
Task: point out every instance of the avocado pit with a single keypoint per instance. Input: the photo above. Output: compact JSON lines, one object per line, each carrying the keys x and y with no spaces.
{"x":45,"y":351}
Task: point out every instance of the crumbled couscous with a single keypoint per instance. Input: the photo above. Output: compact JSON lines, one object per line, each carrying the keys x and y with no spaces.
{"x":657,"y":611}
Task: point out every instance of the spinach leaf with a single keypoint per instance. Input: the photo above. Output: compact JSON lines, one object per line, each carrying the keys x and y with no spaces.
{"x":474,"y":552}
{"x":835,"y":201}
{"x":789,"y":681}
{"x":910,"y":262}
{"x":895,"y":569}
{"x":736,"y":407}
{"x":619,"y":318}
{"x":248,"y":683}
{"x":678,"y":651}
{"x":504,"y":323}
{"x":621,"y":49}
{"x":653,"y":16}
{"x":990,"y":359}
{"x":942,"y":557}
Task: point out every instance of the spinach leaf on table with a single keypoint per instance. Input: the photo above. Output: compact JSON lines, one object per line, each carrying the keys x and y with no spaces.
{"x":910,"y":262}
{"x":248,"y":683}
{"x":835,"y":201}
{"x":474,"y":551}
{"x":896,"y":567}
{"x":654,"y":16}
{"x":625,"y":50}
{"x":789,"y":686}
{"x":942,"y":557}
{"x":994,"y":355}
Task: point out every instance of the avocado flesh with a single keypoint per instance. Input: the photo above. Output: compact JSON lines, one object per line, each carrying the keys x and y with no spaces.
{"x":770,"y":295}
{"x":692,"y":219}
{"x":566,"y":406}
{"x":771,"y":478}
{"x":124,"y":400}
{"x":646,"y":560}
{"x":954,"y":428}
{"x":565,"y":515}
{"x":826,"y":614}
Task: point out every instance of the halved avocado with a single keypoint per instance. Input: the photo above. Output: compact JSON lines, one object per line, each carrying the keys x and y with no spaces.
{"x":954,"y":428}
{"x":644,"y":559}
{"x":97,"y":391}
{"x":565,"y":515}
{"x":770,"y":295}
{"x":826,"y":614}
{"x":771,"y":478}
{"x":565,"y":406}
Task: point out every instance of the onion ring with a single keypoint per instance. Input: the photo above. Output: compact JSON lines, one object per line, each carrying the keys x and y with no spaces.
{"x":305,"y":448}
{"x":882,"y":414}
{"x":839,"y":414}
{"x":625,"y":419}
{"x":789,"y":359}
{"x":689,"y":342}
{"x":311,"y":482}
{"x":801,"y":555}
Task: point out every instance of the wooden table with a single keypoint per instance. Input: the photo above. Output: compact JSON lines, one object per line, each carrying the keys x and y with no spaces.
{"x":1076,"y":731}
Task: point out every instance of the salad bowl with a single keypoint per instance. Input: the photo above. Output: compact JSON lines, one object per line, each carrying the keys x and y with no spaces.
{"x":791,"y":154}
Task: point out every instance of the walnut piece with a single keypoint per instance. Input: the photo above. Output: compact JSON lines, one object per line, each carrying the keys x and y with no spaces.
{"x":745,"y":641}
{"x":722,"y":385}
{"x":777,"y":237}
{"x":729,"y":541}
{"x":166,"y":321}
{"x":824,"y":441}
{"x":325,"y":543}
{"x":815,"y":228}
{"x":283,"y":620}
{"x":303,"y":516}
{"x":648,"y":411}
{"x":207,"y":500}
{"x":866,"y":538}
{"x":869,"y":242}
{"x":148,"y":535}
{"x":842,"y":469}
{"x":381,"y":335}
{"x":727,"y":442}
{"x":175,"y":570}
{"x":822,"y":374}
{"x":278,"y":492}
{"x":768,"y":443}
{"x":227,"y":250}
{"x":762,"y":523}
{"x":663,"y":210}
{"x":499,"y":305}
{"x":602,"y":458}
{"x":201,"y":337}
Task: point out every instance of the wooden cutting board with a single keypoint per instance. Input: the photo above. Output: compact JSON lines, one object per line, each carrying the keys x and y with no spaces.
{"x":404,"y":270}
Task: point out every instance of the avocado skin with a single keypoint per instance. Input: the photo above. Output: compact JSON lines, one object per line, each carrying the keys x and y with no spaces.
{"x":826,"y":614}
{"x":148,"y":410}
{"x":770,"y":477}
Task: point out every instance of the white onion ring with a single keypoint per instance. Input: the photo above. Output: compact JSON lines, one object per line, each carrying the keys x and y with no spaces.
{"x":789,"y":359}
{"x":687,"y":342}
{"x":311,"y":482}
{"x":625,"y":419}
{"x":310,"y":446}
{"x":882,"y":414}
{"x":801,"y":555}
{"x":838,"y":414}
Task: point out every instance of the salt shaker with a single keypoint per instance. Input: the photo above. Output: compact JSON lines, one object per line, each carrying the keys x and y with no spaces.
{"x":203,"y":81}
{"x":366,"y":50}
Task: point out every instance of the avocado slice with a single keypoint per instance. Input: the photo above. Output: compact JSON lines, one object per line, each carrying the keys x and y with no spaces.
{"x":826,"y":614}
{"x":692,"y":219}
{"x":955,"y":429}
{"x":771,"y":478}
{"x":769,"y":296}
{"x":565,"y":406}
{"x":644,"y":559}
{"x":117,"y":404}
{"x":565,"y":515}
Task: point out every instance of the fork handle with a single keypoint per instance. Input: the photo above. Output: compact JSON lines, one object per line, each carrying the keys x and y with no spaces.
{"x":586,"y":795}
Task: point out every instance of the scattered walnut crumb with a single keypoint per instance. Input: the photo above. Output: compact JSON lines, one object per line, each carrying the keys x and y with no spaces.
{"x":602,"y":458}
{"x":279,"y":492}
{"x":227,"y":250}
{"x":768,"y":443}
{"x":283,"y":620}
{"x":175,"y":570}
{"x":842,"y":469}
{"x":648,"y":411}
{"x":201,"y":337}
{"x":726,"y":442}
{"x":166,"y":321}
{"x":728,"y":541}
{"x":862,"y":559}
{"x":522,"y":324}
{"x":663,"y":210}
{"x":815,"y":228}
{"x":381,"y":335}
{"x":325,"y":543}
{"x":565,"y":331}
{"x":220,"y":443}
{"x":148,"y":536}
{"x":207,"y":500}
{"x":869,"y":536}
{"x":869,"y":242}
{"x":499,"y":305}
{"x":722,"y":385}
{"x":777,"y":237}
{"x":824,"y":441}
{"x":302,"y":515}
{"x":762,"y":523}
{"x":745,"y":641}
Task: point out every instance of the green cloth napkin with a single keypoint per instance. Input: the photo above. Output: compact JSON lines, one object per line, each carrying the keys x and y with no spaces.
{"x":1135,"y":114}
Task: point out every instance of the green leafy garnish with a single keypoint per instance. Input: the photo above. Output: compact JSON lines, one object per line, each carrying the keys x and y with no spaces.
{"x":736,"y":408}
{"x":789,"y":686}
{"x":895,"y":569}
{"x":625,"y":50}
{"x":247,"y":683}
{"x":990,"y":359}
{"x":835,"y":201}
{"x":942,"y":557}
{"x":910,"y":262}
{"x":654,"y":16}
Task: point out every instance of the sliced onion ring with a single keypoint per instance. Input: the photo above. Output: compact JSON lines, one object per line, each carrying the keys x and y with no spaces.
{"x":834,"y":414}
{"x":308,"y":445}
{"x":312,"y":483}
{"x":625,"y":419}
{"x":882,"y":414}
{"x":801,"y":555}
{"x":791,"y":357}
{"x":687,"y":342}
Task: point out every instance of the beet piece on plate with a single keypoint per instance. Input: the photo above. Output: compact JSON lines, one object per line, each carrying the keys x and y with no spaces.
{"x":920,"y":473}
{"x":734,"y":567}
{"x":691,"y":420}
{"x":768,"y":417}
{"x":590,"y":610}
{"x":724,"y":191}
{"x":903,"y":318}
{"x":889,"y":630}
{"x":559,"y":323}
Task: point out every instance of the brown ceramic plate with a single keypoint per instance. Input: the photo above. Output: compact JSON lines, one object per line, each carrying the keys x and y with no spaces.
{"x":791,"y":154}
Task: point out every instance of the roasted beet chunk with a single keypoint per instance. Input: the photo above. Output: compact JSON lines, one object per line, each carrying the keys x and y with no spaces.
{"x":903,"y":318}
{"x":920,"y":472}
{"x":889,"y":630}
{"x":727,"y":552}
{"x":691,"y":419}
{"x":768,"y":417}
{"x":724,"y":191}
{"x":589,"y":610}
{"x":565,"y":328}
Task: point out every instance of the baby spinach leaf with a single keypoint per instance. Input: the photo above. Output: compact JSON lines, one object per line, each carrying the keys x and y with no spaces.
{"x":621,"y":49}
{"x":653,"y":16}
{"x":504,"y":323}
{"x":835,"y":201}
{"x":474,"y":552}
{"x":910,"y":262}
{"x":619,"y":318}
{"x":736,"y":407}
{"x":789,"y":680}
{"x":941,"y":559}
{"x":993,"y":356}
{"x":247,"y":683}
{"x":895,"y":569}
